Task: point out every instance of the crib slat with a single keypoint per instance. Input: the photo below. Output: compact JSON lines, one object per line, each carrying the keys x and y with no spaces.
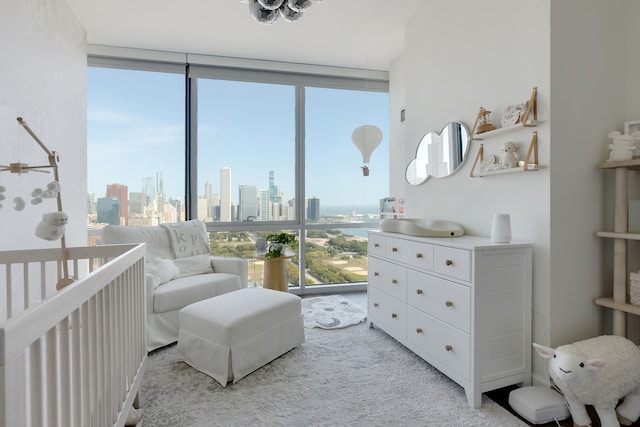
{"x":65,"y":372}
{"x":52,"y":399}
{"x":36,"y":401}
{"x":76,"y":396}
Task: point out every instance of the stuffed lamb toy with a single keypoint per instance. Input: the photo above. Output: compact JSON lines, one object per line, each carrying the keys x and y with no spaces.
{"x":52,"y":226}
{"x":598,"y":371}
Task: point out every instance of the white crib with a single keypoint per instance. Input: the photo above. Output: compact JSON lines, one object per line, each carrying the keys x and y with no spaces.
{"x":73,"y":357}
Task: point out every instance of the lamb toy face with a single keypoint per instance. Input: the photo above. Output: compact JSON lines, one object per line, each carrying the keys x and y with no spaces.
{"x":599,"y":371}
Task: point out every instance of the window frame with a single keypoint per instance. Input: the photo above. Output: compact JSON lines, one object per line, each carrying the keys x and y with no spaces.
{"x":258,"y":71}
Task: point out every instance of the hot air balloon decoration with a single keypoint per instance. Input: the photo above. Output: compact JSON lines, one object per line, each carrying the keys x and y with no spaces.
{"x":366,"y":138}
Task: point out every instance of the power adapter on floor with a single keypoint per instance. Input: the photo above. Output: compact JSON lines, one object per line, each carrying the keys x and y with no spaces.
{"x":538,"y":404}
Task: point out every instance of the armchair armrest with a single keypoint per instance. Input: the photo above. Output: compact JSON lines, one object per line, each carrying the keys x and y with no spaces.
{"x":238,"y":266}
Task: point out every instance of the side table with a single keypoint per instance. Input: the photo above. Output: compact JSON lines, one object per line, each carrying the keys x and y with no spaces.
{"x":275,"y":273}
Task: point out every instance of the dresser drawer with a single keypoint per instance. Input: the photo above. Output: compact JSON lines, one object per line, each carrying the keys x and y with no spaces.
{"x":376,"y":245}
{"x":452,"y":262}
{"x":387,"y":312}
{"x":417,"y":254}
{"x":443,"y":342}
{"x":388,"y":277}
{"x":443,"y":299}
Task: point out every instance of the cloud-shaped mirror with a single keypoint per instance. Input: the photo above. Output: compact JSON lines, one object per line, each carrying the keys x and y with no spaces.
{"x":439,"y":154}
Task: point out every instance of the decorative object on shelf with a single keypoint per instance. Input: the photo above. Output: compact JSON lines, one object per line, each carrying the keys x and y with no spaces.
{"x":513,"y":114}
{"x":600,"y":372}
{"x":634,"y":288}
{"x":278,"y":244}
{"x":501,"y":228}
{"x":366,"y":139}
{"x":518,"y":115}
{"x":489,"y":167}
{"x":509,"y":155}
{"x":623,"y":146}
{"x":482,"y":123}
{"x":631,"y":126}
{"x":52,"y":226}
{"x":392,"y":207}
{"x":269,"y":12}
{"x":439,"y":154}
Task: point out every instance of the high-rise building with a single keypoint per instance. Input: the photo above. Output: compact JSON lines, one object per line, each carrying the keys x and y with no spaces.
{"x":108,"y":210}
{"x":137,"y":203}
{"x":91,"y":203}
{"x":160,"y":191}
{"x":264,"y":203}
{"x":149,"y":188}
{"x":313,"y":211}
{"x":247,"y":203}
{"x":121,"y":192}
{"x":208,"y":195}
{"x":225,"y":194}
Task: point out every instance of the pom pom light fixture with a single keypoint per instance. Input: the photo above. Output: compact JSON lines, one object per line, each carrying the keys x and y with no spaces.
{"x":268,"y":12}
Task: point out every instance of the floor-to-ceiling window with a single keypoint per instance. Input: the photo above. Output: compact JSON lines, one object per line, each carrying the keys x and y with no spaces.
{"x":250,"y":153}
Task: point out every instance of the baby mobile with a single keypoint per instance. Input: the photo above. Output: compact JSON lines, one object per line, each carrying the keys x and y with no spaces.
{"x":366,"y":139}
{"x":52,"y":226}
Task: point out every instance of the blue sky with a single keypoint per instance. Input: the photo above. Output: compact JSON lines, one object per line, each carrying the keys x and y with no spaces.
{"x":136,"y":127}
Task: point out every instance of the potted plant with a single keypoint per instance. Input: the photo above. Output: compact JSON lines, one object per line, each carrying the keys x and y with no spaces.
{"x":278,"y":243}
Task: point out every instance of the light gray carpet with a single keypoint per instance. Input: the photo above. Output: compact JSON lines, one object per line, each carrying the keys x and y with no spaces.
{"x":331,"y":312}
{"x":354,"y":376}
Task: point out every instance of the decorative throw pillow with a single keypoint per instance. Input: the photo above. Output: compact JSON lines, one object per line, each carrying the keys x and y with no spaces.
{"x":162,"y":270}
{"x":188,"y":238}
{"x":199,"y":264}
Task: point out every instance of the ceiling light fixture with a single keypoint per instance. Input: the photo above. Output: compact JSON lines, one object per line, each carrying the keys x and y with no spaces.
{"x":270,"y":11}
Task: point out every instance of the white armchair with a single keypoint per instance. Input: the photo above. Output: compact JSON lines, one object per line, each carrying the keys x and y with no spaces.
{"x":179,"y":271}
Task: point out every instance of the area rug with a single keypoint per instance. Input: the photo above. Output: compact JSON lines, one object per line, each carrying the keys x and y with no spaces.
{"x":352,"y":377}
{"x":331,"y":312}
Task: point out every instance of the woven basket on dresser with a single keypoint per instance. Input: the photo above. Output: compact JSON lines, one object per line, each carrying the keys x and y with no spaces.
{"x":634,"y":288}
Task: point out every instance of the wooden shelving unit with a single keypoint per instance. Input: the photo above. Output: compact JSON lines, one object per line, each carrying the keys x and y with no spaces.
{"x":618,"y":302}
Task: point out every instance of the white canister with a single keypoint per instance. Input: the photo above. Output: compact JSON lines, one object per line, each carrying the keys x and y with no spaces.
{"x":501,"y":228}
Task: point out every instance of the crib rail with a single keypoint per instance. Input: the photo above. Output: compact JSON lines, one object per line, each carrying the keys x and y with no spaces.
{"x":73,"y":357}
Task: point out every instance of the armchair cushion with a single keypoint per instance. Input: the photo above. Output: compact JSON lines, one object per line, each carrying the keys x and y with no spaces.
{"x":179,"y":293}
{"x":189,"y":266}
{"x":188,"y":238}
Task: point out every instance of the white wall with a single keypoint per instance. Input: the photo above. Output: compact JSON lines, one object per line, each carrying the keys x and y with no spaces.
{"x":43,"y":80}
{"x":461,"y":55}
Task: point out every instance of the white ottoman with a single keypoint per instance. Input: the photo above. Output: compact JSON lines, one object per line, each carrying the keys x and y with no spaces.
{"x":231,"y":335}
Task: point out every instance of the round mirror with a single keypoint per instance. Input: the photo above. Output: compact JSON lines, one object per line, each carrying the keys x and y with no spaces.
{"x":439,"y":154}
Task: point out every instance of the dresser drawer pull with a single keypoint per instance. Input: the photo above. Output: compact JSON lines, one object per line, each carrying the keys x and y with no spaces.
{"x":375,"y":245}
{"x":418,"y":255}
{"x":418,"y":330}
{"x":419,"y":291}
{"x":394,"y":316}
{"x":394,"y":249}
{"x":449,"y":304}
{"x":449,"y":262}
{"x":448,"y":347}
{"x":394,"y":281}
{"x":375,"y":304}
{"x":375,"y":273}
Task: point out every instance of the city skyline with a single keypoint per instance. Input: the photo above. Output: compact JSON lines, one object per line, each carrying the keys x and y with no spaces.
{"x":136,"y":128}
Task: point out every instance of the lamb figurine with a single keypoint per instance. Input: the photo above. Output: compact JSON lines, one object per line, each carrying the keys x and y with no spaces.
{"x":598,"y":371}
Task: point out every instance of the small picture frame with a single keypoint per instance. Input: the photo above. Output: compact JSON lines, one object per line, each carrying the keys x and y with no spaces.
{"x":631,"y":127}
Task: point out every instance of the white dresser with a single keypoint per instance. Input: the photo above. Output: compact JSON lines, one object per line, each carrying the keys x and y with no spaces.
{"x":463,"y":304}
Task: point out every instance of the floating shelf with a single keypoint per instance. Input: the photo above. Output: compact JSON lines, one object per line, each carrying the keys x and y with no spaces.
{"x":531,"y":167}
{"x":529,"y":163}
{"x":508,"y":129}
{"x":614,"y":235}
{"x":633,"y":164}
{"x":609,"y":303}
